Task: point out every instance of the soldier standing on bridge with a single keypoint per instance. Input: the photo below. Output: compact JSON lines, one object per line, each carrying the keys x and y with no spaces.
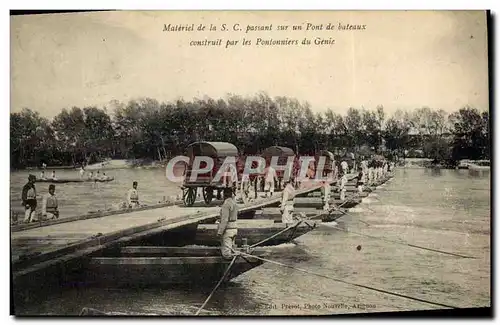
{"x":371,"y":171}
{"x":133,"y":196}
{"x":361,"y":179}
{"x":344,"y":166}
{"x":326,"y":194}
{"x":287,"y":202}
{"x":230,"y":178}
{"x":270,"y":179}
{"x":343,"y":180}
{"x":245,"y":187}
{"x":49,"y":204}
{"x":227,"y":229}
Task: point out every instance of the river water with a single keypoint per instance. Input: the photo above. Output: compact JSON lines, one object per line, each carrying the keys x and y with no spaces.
{"x":447,"y":210}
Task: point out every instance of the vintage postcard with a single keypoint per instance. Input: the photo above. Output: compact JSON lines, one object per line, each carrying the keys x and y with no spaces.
{"x":250,"y":163}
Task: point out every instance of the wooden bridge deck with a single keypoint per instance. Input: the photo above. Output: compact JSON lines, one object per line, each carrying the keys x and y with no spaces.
{"x":37,"y":248}
{"x":46,"y":238}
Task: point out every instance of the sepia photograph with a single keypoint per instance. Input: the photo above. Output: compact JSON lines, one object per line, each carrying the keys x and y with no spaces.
{"x":250,"y":163}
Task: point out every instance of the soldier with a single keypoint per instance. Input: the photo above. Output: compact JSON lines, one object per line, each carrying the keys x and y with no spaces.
{"x":245,"y":187}
{"x":343,"y":182}
{"x":269,"y":181}
{"x":335,"y":171}
{"x":50,"y":208}
{"x":230,"y":178}
{"x":361,"y":179}
{"x":133,"y":196}
{"x":29,"y":199}
{"x":227,"y":229}
{"x":364,"y":166}
{"x":344,"y":167}
{"x":287,"y":202}
{"x":326,"y":195}
{"x":371,"y":171}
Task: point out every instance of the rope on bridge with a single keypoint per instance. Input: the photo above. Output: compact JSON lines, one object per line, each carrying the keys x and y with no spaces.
{"x":218,"y":284}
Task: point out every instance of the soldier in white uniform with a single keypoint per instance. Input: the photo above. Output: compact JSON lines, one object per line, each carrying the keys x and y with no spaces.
{"x":361,"y":179}
{"x":353,"y":159}
{"x":371,"y":171}
{"x":343,"y":182}
{"x":269,"y":181}
{"x":133,"y":196}
{"x":344,"y":167}
{"x":335,"y":172}
{"x":227,"y":228}
{"x":327,"y":189}
{"x":50,"y":208}
{"x":245,"y":187}
{"x":287,"y":203}
{"x":364,"y":166}
{"x":386,"y":168}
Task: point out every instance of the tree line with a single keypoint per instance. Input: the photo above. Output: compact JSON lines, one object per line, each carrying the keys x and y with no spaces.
{"x":148,"y":129}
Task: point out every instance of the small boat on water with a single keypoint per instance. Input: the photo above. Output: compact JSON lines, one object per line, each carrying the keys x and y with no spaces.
{"x":52,"y":168}
{"x":74,"y":180}
{"x":463,"y":164}
{"x":479,"y":165}
{"x":110,"y":165}
{"x":143,"y":266}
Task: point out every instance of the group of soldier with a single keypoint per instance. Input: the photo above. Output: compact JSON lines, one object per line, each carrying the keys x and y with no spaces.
{"x":50,"y":204}
{"x":369,"y":173}
{"x":29,"y":200}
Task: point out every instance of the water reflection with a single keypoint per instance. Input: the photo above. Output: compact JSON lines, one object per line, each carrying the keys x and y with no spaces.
{"x":436,"y":172}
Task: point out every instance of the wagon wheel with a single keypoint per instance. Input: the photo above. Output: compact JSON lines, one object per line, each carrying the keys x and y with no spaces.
{"x":208,"y":194}
{"x":189,"y":196}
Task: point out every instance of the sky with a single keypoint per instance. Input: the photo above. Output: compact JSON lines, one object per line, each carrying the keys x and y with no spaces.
{"x":402,"y":59}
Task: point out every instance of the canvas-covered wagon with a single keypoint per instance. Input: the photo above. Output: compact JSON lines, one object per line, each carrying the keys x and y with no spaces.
{"x":208,"y":182}
{"x":329,"y":162}
{"x":283,"y":154}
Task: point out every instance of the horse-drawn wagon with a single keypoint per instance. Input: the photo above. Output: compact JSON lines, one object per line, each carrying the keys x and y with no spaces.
{"x":329,"y":162}
{"x":207,"y":181}
{"x":283,"y":154}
